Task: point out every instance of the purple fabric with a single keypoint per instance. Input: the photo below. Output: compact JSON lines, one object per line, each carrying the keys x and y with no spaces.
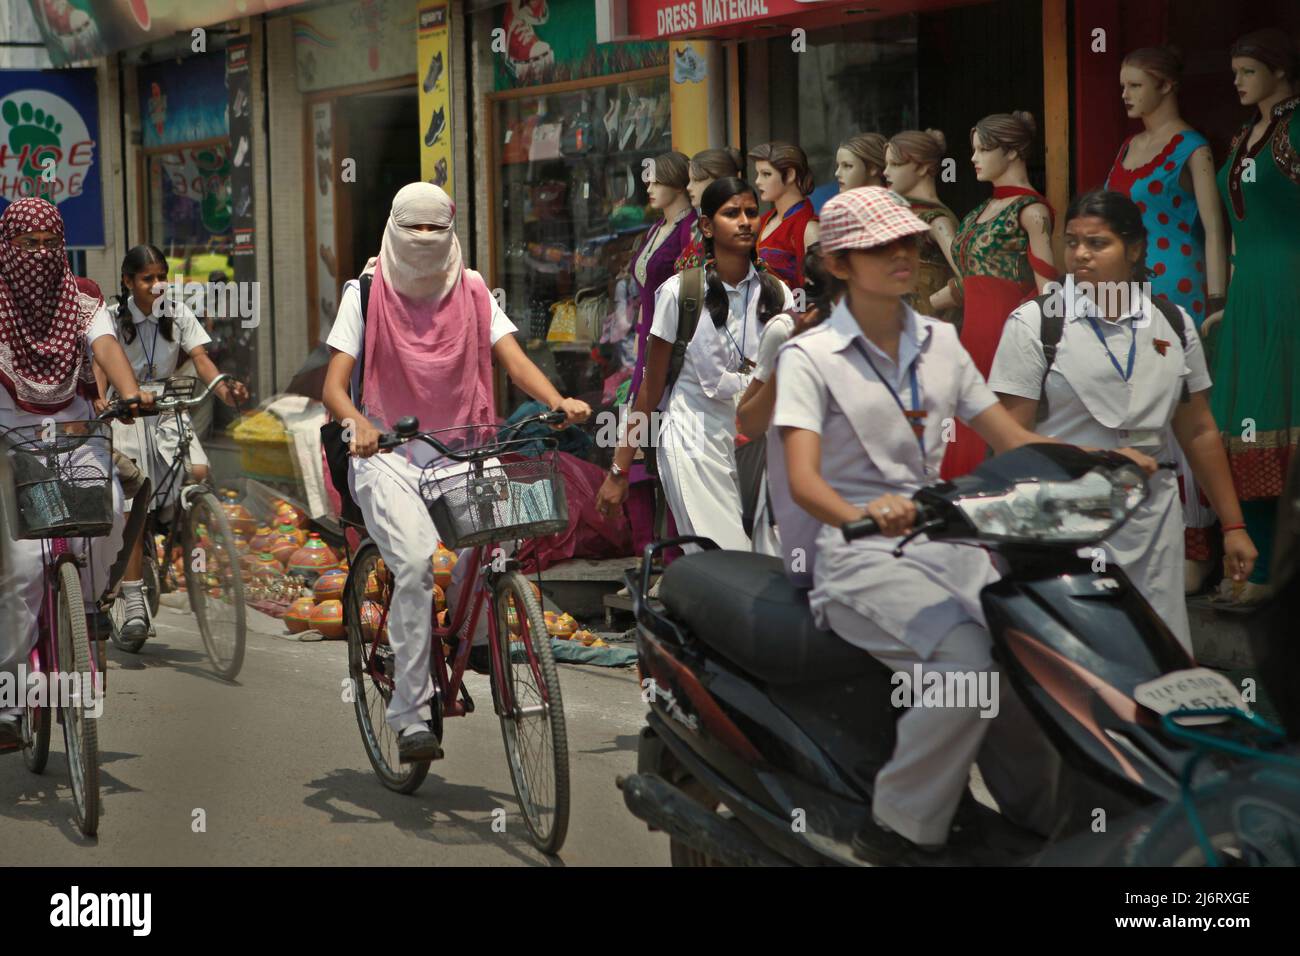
{"x":658,"y":269}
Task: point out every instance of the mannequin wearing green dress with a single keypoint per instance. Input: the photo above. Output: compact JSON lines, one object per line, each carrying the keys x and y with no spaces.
{"x":1256,"y":395}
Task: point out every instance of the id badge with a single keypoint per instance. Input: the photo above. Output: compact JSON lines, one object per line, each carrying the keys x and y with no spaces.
{"x":1143,"y":439}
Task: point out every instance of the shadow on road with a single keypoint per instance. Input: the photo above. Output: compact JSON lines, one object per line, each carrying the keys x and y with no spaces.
{"x":46,"y":798}
{"x":619,"y":743}
{"x":440,"y":812}
{"x":158,"y":653}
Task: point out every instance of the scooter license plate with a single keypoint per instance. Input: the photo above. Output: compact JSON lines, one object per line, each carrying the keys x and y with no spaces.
{"x":1197,"y":688}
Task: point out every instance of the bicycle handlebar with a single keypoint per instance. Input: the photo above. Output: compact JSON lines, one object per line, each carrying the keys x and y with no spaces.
{"x":407,"y":429}
{"x":165,"y":403}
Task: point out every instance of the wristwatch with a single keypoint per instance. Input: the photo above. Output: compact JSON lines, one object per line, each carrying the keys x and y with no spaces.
{"x":616,"y":471}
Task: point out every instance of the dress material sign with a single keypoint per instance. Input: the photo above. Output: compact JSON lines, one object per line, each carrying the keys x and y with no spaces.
{"x":433,"y":42}
{"x":665,"y":18}
{"x":49,"y":147}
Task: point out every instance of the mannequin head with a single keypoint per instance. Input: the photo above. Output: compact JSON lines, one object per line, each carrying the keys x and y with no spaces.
{"x":1001,"y":144}
{"x":671,"y":175}
{"x":780,"y":169}
{"x":1105,"y":238}
{"x":1149,"y":76}
{"x":912,"y":157}
{"x":1263,"y":66}
{"x":860,"y":161}
{"x":708,"y":165}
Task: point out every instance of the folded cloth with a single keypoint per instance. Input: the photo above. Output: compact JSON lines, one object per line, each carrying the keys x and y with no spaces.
{"x":302,"y":418}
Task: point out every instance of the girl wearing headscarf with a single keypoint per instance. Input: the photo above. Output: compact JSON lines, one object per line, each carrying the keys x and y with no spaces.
{"x":53,"y":328}
{"x":431,"y":332}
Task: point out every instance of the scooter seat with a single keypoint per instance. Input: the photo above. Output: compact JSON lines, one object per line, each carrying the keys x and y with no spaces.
{"x":744,"y":607}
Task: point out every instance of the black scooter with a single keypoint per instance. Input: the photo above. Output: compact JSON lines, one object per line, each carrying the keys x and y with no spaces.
{"x":764,"y":734}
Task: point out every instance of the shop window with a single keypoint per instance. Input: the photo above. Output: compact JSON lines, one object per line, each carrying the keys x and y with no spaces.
{"x":570,"y":201}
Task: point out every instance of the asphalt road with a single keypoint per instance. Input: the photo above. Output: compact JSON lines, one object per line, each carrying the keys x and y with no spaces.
{"x":271,"y":770}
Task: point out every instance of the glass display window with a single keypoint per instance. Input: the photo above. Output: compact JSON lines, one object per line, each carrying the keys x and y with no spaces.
{"x":571,"y":167}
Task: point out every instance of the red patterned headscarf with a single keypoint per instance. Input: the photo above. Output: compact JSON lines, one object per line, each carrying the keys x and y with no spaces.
{"x":43,"y":315}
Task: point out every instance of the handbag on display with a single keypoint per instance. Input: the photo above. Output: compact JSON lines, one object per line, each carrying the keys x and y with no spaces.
{"x":519,"y":140}
{"x":593,"y":305}
{"x":564,"y":322}
{"x":545,"y":142}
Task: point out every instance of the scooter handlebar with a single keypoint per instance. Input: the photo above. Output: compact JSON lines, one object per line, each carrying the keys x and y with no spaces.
{"x":866,"y":525}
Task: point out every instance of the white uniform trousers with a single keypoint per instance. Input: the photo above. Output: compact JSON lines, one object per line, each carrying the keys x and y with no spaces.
{"x":22,"y":584}
{"x":386,"y":489}
{"x":916,"y":793}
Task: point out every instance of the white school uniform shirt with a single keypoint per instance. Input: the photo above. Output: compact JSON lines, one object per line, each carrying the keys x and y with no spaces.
{"x":1090,"y":403}
{"x":710,"y":374}
{"x":868,"y":449}
{"x":79,"y":409}
{"x":187,"y":334}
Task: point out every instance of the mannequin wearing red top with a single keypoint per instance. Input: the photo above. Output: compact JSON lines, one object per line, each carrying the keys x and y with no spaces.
{"x":1003,"y":253}
{"x":782,"y":176}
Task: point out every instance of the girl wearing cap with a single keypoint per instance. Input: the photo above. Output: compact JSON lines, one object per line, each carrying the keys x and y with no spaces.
{"x":431,"y":332}
{"x":863,"y":406}
{"x":697,"y":417}
{"x":1123,"y":374}
{"x":53,"y":328}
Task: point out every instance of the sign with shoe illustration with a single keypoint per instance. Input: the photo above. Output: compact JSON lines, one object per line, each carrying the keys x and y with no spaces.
{"x":49,"y":146}
{"x":433,"y":41}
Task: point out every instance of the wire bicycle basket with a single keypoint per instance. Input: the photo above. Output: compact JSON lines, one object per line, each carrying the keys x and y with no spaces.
{"x":62,"y":479}
{"x":497,"y":496}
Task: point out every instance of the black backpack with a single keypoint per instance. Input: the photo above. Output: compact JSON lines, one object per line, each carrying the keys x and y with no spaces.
{"x":1053,"y":326}
{"x":331,"y":433}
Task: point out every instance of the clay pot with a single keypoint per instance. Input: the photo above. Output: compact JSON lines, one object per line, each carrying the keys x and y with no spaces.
{"x":239,"y":518}
{"x":374,"y":589}
{"x":372,"y":617}
{"x":329,"y":586}
{"x":312,"y":560}
{"x":327,"y":617}
{"x":261,"y":540}
{"x":298,"y":618}
{"x":439,"y":599}
{"x":262,"y":565}
{"x":562,"y":626}
{"x":284,"y":542}
{"x":444,"y":562}
{"x":286,"y":513}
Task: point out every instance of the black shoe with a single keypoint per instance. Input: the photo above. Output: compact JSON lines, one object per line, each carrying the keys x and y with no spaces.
{"x":418,"y":747}
{"x":480,"y":661}
{"x":136,"y":629}
{"x":436,"y":127}
{"x":881,"y":846}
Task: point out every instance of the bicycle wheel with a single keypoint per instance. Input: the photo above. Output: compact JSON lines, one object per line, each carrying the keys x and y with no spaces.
{"x":152,"y":587}
{"x":80,"y":734}
{"x":215,"y":587}
{"x":36,"y":736}
{"x":366,"y":596}
{"x":537,"y":747}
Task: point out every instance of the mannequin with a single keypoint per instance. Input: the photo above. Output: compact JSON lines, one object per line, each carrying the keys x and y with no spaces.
{"x":860,"y":161}
{"x":912,"y":161}
{"x":1003,"y":255}
{"x":1258,"y":348}
{"x":706,"y":166}
{"x":1168,"y":170}
{"x":782,"y":176}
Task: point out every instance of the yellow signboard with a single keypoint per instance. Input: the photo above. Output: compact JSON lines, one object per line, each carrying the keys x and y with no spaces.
{"x":433,"y":26}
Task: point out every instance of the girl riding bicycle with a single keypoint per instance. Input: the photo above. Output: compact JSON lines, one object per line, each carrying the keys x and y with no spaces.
{"x":430,"y":334}
{"x":53,"y":328}
{"x":158,"y":333}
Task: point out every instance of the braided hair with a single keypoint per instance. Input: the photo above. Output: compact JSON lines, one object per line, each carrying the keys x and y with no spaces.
{"x":771,"y":300}
{"x":134,"y":262}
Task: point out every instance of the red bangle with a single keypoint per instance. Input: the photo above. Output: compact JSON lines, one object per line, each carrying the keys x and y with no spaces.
{"x":1232,"y":527}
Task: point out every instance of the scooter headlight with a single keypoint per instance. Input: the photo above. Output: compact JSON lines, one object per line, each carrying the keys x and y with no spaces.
{"x":1081,"y":511}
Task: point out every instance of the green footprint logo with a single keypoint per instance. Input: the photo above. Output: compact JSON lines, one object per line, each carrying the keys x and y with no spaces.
{"x":33,"y":128}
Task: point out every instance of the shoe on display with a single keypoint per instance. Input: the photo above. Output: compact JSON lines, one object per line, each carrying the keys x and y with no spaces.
{"x":432,"y":77}
{"x":645,"y":119}
{"x":327,"y":257}
{"x":611,"y":120}
{"x":631,"y":116}
{"x":241,"y":153}
{"x":437,"y":125}
{"x":323,"y":174}
{"x":241,"y":102}
{"x":662,"y":117}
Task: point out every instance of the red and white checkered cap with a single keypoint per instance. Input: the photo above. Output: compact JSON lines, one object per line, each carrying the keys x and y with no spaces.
{"x":865,"y":217}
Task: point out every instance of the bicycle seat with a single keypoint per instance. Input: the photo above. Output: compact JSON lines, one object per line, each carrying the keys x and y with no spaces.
{"x":744,"y":607}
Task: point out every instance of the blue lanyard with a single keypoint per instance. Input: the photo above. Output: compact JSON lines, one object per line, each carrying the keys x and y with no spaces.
{"x":1132,"y":349}
{"x":149,"y":352}
{"x":744,"y":325}
{"x":917,"y":416}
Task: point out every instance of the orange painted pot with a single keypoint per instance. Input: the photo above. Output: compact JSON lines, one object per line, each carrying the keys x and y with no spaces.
{"x":374,"y":586}
{"x":329,"y":586}
{"x":372,"y":617}
{"x":298,"y":618}
{"x":312,"y":560}
{"x":261,"y":540}
{"x":444,"y":562}
{"x":237,"y":516}
{"x":284,"y":542}
{"x":286,"y":513}
{"x":327,"y":617}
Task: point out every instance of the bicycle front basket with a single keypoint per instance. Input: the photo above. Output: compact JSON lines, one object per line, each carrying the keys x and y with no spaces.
{"x":495,"y":501}
{"x":63,"y":479}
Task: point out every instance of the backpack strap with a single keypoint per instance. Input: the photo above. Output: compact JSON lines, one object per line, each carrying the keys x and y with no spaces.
{"x":365,"y":281}
{"x":690,"y":300}
{"x":1175,"y":318}
{"x":1053,"y":324}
